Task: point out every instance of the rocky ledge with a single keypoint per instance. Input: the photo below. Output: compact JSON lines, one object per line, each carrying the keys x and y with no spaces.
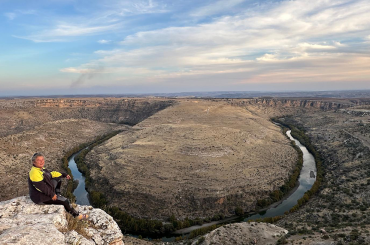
{"x":23,"y":222}
{"x":243,"y":233}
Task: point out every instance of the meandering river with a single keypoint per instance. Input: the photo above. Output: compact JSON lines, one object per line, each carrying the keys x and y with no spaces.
{"x":306,"y":180}
{"x":80,"y":192}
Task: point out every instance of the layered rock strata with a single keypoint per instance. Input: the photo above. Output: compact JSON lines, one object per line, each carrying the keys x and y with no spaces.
{"x":18,"y":115}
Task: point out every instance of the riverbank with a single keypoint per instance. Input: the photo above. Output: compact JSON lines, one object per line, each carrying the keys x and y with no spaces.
{"x":299,"y":133}
{"x":71,"y":184}
{"x":82,"y":197}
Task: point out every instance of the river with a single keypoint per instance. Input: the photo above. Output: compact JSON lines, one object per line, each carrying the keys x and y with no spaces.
{"x":306,"y":180}
{"x":80,"y":192}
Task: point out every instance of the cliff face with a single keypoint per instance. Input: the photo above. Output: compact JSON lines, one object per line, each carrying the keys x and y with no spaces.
{"x":124,"y":111}
{"x":23,"y":222}
{"x":21,"y":115}
{"x":322,"y":104}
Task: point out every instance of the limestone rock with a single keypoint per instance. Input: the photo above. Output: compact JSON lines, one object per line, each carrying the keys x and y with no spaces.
{"x":23,"y":222}
{"x":244,"y":233}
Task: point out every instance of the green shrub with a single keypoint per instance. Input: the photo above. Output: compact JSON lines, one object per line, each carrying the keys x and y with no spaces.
{"x":200,"y":240}
{"x":239,"y":211}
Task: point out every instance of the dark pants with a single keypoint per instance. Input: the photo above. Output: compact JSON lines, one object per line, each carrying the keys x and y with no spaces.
{"x":61,"y":200}
{"x":57,"y":183}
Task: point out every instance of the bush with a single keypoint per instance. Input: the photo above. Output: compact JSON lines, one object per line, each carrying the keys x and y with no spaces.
{"x":200,"y":240}
{"x":282,"y":240}
{"x":239,"y":211}
{"x":202,"y":231}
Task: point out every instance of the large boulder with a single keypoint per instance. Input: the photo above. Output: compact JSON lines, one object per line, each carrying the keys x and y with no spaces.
{"x":23,"y":222}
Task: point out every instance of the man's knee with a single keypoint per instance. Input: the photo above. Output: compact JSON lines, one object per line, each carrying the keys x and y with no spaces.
{"x":55,"y":182}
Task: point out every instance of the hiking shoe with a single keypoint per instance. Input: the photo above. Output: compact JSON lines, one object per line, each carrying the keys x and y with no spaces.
{"x":82,"y":216}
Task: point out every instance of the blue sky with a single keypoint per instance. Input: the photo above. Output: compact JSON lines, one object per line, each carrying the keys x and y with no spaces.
{"x":84,"y":47}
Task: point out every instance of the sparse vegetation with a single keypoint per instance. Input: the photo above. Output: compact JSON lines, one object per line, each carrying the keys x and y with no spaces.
{"x":77,"y":225}
{"x":202,"y":231}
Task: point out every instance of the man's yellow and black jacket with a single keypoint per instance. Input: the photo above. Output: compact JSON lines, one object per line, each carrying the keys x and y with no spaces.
{"x":40,"y":185}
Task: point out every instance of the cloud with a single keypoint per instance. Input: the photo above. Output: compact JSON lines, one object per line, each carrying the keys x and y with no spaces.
{"x":215,"y":8}
{"x":62,"y":32}
{"x":98,"y":17}
{"x":76,"y":70}
{"x":127,"y":8}
{"x":287,"y":41}
{"x":18,"y":12}
{"x":103,"y":41}
{"x":10,"y":16}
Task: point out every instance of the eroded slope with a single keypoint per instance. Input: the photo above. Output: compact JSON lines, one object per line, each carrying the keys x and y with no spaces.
{"x":195,"y":159}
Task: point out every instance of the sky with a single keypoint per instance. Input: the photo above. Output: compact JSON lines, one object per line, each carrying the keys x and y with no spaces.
{"x":54,"y":47}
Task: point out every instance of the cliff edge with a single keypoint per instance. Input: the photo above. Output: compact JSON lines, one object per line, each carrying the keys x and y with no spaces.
{"x":23,"y":222}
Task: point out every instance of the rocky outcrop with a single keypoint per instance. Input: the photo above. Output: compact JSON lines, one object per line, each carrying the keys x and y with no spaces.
{"x":243,"y":233}
{"x":23,"y":222}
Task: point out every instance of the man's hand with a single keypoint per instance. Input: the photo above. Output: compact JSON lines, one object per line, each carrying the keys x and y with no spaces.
{"x":54,"y":197}
{"x":68,"y":177}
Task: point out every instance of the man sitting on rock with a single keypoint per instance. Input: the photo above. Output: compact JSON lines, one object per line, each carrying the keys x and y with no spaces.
{"x":44,"y":186}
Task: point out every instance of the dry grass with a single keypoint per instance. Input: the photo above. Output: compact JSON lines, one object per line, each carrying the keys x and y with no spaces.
{"x":77,"y":225}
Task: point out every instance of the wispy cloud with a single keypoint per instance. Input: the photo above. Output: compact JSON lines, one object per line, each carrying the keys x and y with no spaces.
{"x":125,"y":8}
{"x":10,"y":16}
{"x":103,"y":41}
{"x":16,"y":13}
{"x":93,"y":19}
{"x":287,"y":40}
{"x":215,"y":8}
{"x":63,"y":31}
{"x":180,"y":43}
